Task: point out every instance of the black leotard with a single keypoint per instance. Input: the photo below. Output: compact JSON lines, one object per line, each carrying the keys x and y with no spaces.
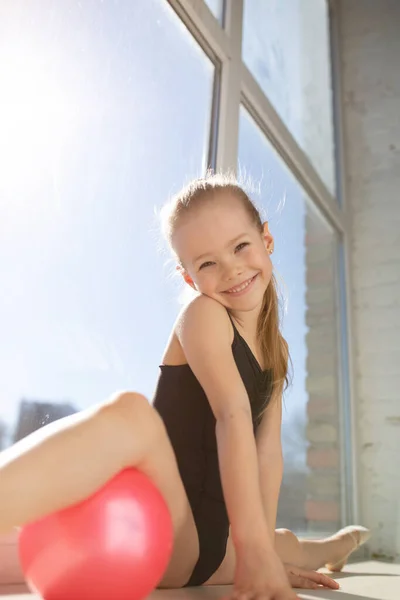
{"x":190,"y":423}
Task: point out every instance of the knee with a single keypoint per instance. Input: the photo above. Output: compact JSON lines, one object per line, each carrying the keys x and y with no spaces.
{"x":288,"y":547}
{"x":133,"y":412}
{"x":285,"y":535}
{"x":127,"y":403}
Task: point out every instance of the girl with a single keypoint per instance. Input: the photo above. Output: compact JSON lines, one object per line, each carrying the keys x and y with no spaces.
{"x":211,"y":440}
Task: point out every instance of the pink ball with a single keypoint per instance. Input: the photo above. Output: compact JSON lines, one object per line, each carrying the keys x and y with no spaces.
{"x":114,"y":545}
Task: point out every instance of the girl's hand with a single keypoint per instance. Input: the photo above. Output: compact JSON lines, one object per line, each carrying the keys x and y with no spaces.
{"x":308,"y":580}
{"x":260,"y":575}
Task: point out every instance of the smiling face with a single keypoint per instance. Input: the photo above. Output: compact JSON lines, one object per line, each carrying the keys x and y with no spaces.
{"x":224,"y":255}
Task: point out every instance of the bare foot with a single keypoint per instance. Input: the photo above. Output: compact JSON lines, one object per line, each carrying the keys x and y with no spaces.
{"x":352,"y":537}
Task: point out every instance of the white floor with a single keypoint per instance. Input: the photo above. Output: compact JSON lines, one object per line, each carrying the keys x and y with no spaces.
{"x":359,"y":581}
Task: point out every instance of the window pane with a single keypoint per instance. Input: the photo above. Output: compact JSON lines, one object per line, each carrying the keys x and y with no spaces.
{"x":286,"y":46}
{"x":217,"y":8}
{"x":106,"y":110}
{"x":304,"y":257}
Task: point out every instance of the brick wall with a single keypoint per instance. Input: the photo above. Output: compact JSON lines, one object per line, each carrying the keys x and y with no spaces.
{"x":322,"y":508}
{"x":370,"y":79}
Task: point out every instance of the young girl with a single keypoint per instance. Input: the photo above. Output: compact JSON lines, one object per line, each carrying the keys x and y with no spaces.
{"x":211,"y":440}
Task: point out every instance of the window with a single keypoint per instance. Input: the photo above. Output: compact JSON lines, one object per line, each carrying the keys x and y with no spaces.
{"x":106,"y":109}
{"x":101,"y":126}
{"x":286,"y":47}
{"x":305,"y":264}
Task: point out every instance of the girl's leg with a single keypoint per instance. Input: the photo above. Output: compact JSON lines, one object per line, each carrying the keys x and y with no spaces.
{"x":305,"y":554}
{"x":66,"y":461}
{"x":314,"y":554}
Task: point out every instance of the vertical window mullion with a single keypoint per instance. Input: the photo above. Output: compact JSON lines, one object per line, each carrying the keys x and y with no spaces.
{"x":229,"y":106}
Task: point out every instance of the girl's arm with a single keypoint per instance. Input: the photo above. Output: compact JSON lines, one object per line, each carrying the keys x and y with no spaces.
{"x":270,"y":460}
{"x":204,"y":332}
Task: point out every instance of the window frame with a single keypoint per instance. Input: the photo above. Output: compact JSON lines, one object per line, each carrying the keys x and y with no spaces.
{"x":235,"y":86}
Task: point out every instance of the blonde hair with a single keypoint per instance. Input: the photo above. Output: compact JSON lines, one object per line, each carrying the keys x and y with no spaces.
{"x":274,"y":347}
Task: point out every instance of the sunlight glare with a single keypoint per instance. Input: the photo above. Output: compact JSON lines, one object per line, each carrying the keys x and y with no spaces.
{"x":37,"y":118}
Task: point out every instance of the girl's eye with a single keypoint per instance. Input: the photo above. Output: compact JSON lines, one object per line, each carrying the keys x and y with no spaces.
{"x":206,"y":264}
{"x":242,"y":245}
{"x":238,"y":248}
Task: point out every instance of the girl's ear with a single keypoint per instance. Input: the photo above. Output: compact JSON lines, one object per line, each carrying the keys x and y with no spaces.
{"x":186,"y":276}
{"x":268,"y":238}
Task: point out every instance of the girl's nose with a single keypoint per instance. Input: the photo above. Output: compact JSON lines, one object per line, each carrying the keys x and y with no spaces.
{"x":232,"y":272}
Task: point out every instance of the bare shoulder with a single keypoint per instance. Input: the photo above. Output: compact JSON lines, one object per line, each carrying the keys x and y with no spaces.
{"x":191,"y":318}
{"x":204,"y":331}
{"x":203,"y":314}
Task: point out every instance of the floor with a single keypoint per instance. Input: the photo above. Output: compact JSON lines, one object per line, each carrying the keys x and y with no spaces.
{"x":359,"y":581}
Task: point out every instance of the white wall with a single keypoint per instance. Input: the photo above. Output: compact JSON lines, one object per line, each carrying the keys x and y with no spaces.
{"x":370,"y":73}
